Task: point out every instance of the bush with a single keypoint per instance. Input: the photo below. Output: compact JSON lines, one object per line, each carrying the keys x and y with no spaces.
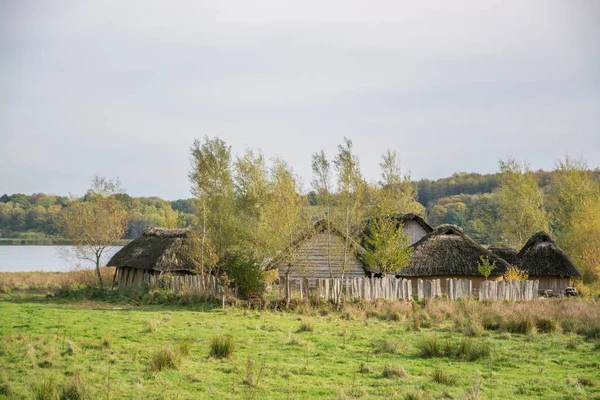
{"x":590,"y":332}
{"x":222,"y":346}
{"x":166,"y":358}
{"x":246,"y":274}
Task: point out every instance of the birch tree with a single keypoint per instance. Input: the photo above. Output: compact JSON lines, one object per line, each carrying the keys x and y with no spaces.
{"x":96,"y":222}
{"x":212,"y":186}
{"x":321,"y":183}
{"x":351,"y":188}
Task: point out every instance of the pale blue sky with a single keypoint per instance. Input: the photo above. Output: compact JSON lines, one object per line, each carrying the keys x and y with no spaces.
{"x":122,"y":89}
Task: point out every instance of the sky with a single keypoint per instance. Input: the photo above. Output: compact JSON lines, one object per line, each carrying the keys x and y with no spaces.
{"x":122,"y":89}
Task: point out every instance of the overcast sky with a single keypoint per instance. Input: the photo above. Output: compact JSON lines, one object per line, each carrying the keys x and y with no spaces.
{"x":122,"y":88}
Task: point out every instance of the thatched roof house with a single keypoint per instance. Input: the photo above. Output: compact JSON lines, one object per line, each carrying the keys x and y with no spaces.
{"x":508,"y":254}
{"x":545,"y":261}
{"x":448,"y":253}
{"x":155,"y":252}
{"x":318,"y":254}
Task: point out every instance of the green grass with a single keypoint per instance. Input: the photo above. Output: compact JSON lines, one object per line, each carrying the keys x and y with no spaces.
{"x":106,"y":350}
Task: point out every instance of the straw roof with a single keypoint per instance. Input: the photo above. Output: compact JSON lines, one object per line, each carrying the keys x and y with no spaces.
{"x":158,"y":249}
{"x":542,"y":257}
{"x":508,"y":254}
{"x":448,"y":251}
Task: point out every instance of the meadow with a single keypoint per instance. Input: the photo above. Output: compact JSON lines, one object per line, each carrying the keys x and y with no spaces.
{"x":71,"y":347}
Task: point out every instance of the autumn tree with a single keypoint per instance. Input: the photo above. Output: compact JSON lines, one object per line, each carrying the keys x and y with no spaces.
{"x":285,"y":216}
{"x":520,"y":203}
{"x":321,"y":183}
{"x":213,"y":188}
{"x":575,"y":207}
{"x":351,"y":188}
{"x":386,"y":244}
{"x":96,"y":222}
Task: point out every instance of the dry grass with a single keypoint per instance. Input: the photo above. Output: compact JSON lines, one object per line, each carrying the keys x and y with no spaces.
{"x":39,"y":280}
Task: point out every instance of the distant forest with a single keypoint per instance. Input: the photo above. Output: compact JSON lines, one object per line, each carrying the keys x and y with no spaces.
{"x":466,"y":199}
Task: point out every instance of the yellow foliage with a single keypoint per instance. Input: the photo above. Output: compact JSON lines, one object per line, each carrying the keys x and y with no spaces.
{"x":515,"y":273}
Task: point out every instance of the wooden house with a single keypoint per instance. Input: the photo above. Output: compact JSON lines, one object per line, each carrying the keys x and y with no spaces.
{"x":318,"y":254}
{"x":157,"y":251}
{"x":545,"y":261}
{"x":447,"y":252}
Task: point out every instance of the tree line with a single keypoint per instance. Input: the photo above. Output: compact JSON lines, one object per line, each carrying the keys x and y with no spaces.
{"x":255,"y":207}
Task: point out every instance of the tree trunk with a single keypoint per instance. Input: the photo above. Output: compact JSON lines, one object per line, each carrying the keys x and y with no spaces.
{"x":98,"y":271}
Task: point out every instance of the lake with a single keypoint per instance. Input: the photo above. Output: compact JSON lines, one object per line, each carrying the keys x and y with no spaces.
{"x":44,"y":258}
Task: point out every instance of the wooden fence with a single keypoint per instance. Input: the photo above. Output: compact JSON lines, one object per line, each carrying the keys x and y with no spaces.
{"x":391,"y":288}
{"x":508,"y":290}
{"x":388,"y":288}
{"x":209,"y":286}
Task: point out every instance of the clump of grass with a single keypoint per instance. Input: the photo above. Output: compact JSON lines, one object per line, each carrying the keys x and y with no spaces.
{"x":523,"y":324}
{"x":6,"y":388}
{"x":574,"y":343}
{"x":222,"y":346}
{"x":294,"y":341}
{"x":467,"y":349}
{"x":440,"y":375}
{"x":590,"y":332}
{"x":166,"y":358}
{"x":582,"y":381}
{"x":70,"y":349}
{"x":106,"y":343}
{"x":364,"y":368}
{"x":389,"y":346}
{"x":417,"y":395}
{"x":74,"y":390}
{"x":46,"y":389}
{"x":491,"y":322}
{"x":546,"y":325}
{"x":252,"y":379}
{"x":306,"y":326}
{"x":185,"y":346}
{"x":429,"y":347}
{"x":149,"y":326}
{"x":394,"y":372}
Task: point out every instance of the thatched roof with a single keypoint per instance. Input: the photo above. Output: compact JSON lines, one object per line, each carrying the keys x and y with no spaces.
{"x":508,"y":254}
{"x":542,"y":257}
{"x":448,"y":251}
{"x":158,"y":249}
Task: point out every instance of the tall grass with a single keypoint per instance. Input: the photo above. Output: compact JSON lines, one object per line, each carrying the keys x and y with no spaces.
{"x":222,"y":346}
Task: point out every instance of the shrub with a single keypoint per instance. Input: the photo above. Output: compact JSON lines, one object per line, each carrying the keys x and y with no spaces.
{"x":166,"y":358}
{"x":394,"y":372}
{"x":306,"y":326}
{"x":441,"y":376}
{"x":222,"y":346}
{"x":245,"y":273}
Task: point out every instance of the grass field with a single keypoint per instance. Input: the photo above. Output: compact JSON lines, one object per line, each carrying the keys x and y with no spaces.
{"x":96,"y":350}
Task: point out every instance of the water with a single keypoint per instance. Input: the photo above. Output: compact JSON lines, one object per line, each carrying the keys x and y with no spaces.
{"x":45,"y":258}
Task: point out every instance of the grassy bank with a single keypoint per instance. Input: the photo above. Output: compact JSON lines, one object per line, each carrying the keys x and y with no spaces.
{"x":99,"y":349}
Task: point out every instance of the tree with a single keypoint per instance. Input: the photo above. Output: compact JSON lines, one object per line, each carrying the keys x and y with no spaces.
{"x":484,"y":266}
{"x":520,"y":203}
{"x":575,"y":208}
{"x":395,"y":193}
{"x":212,"y":186}
{"x":351,"y":191}
{"x":321,"y":183}
{"x":387,"y":246}
{"x":285,"y":216}
{"x":96,"y":224}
